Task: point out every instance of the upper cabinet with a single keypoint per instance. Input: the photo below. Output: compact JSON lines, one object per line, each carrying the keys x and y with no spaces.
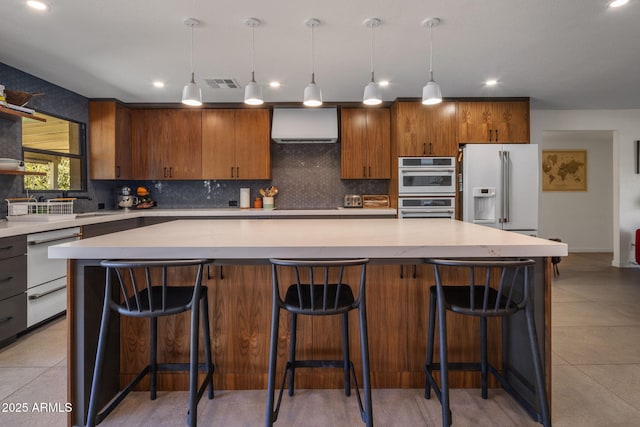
{"x":493,"y":122}
{"x":109,"y":140}
{"x":236,"y":144}
{"x":166,"y":143}
{"x":366,"y":143}
{"x":425,"y":130}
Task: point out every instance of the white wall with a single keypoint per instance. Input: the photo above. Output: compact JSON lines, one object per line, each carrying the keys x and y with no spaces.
{"x":582,"y":219}
{"x":625,"y":125}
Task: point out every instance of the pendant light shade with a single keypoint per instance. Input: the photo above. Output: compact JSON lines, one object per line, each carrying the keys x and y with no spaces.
{"x":312,"y":93}
{"x":191,"y":93}
{"x":431,"y":93}
{"x":253,"y":91}
{"x":372,"y":94}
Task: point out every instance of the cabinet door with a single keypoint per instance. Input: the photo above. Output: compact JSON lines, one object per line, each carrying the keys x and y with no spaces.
{"x":182,"y":144}
{"x":218,"y":144}
{"x":408,"y":135}
{"x":511,"y":121}
{"x":441,"y":128}
{"x":252,"y":144}
{"x":378,"y":144}
{"x":148,"y":132}
{"x":353,"y":150}
{"x":474,"y":122}
{"x":109,"y":140}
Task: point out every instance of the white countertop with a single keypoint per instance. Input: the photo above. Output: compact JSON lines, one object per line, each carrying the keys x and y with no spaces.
{"x":14,"y":228}
{"x":309,"y":238}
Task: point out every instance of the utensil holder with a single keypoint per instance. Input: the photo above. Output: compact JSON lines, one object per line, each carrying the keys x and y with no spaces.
{"x":267,"y":203}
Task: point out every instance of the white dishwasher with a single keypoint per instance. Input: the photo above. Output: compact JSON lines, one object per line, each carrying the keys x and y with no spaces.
{"x":46,"y":278}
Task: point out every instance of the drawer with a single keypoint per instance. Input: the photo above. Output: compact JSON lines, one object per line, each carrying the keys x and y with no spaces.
{"x":46,"y":300}
{"x":13,"y":316}
{"x":13,"y":276}
{"x":13,"y":246}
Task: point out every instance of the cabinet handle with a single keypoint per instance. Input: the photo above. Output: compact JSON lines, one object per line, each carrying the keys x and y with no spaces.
{"x":170,"y":172}
{"x":364,"y":171}
{"x":117,"y":171}
{"x":401,"y":271}
{"x":55,"y":239}
{"x":237,"y":171}
{"x":490,"y":135}
{"x":496,"y":135}
{"x":424,"y":148}
{"x":44,"y":294}
{"x":430,"y":148}
{"x":221,"y":274}
{"x":6,"y":279}
{"x":6,"y":319}
{"x":231,"y":171}
{"x":164,"y":174}
{"x":369,"y":171}
{"x":415,"y":268}
{"x":6,"y":248}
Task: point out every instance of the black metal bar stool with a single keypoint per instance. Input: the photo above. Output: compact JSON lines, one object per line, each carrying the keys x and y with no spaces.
{"x":510,"y":294}
{"x":318,"y":290}
{"x":145,"y":292}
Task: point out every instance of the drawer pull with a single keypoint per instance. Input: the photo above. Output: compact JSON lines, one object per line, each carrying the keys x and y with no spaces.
{"x":44,"y":294}
{"x":56,"y":239}
{"x":6,"y":248}
{"x":6,"y":279}
{"x":6,"y":319}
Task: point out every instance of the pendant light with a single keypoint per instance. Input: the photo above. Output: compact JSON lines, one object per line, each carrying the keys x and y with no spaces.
{"x":372,"y":90}
{"x":312,"y":93}
{"x":253,"y":91}
{"x":431,"y":92}
{"x":191,"y":93}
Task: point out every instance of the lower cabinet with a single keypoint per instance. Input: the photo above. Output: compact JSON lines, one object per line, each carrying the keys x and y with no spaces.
{"x":13,"y":317}
{"x":13,"y":284}
{"x":45,"y":299}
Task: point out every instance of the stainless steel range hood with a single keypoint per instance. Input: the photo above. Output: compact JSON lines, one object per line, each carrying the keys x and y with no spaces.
{"x":304,"y":125}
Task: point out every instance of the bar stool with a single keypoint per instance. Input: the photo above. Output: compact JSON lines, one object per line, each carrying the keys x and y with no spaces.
{"x":319,"y":290}
{"x":145,"y":293}
{"x":512,"y":294}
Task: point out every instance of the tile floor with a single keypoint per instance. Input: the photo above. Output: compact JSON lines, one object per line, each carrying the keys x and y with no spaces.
{"x":596,"y":373}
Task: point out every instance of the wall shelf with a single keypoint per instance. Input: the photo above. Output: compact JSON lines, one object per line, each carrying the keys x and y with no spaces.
{"x":6,"y":172}
{"x":9,"y":114}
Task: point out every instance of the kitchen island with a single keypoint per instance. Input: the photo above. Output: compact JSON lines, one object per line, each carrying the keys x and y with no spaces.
{"x":240,"y":289}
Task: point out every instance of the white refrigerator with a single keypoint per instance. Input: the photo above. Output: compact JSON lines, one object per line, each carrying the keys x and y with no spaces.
{"x":500,"y":184}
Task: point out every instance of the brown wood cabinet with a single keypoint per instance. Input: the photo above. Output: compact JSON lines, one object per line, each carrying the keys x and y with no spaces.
{"x":236,"y":144}
{"x":109,"y":140}
{"x":366,"y":144}
{"x":425,"y":130}
{"x":166,"y":144}
{"x":493,"y":122}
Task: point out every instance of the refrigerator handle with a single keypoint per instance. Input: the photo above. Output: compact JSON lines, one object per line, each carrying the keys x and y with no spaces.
{"x":507,"y":189}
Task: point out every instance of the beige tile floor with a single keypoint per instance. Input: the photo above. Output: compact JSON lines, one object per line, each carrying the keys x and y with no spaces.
{"x":596,"y":373}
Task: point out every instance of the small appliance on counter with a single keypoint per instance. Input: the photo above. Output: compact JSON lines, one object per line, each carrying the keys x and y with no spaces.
{"x":352,"y":201}
{"x":125,"y":199}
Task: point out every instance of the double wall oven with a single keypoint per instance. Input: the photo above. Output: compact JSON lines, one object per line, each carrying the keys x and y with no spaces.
{"x":426,"y":187}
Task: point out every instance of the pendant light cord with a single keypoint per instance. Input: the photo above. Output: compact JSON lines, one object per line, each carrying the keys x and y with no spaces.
{"x":192,"y":72}
{"x":253,"y":53}
{"x":313,"y":64}
{"x":430,"y":51}
{"x":372,"y":78}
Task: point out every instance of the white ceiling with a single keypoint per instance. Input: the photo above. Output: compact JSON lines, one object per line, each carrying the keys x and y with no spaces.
{"x":564,"y":54}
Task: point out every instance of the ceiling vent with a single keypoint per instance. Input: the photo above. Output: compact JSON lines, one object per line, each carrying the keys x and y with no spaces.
{"x":223,"y":83}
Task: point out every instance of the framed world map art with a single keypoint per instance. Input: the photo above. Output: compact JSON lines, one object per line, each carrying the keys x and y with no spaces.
{"x":564,"y":170}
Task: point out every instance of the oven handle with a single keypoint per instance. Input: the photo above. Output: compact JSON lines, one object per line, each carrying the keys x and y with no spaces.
{"x":44,"y":294}
{"x":404,"y":170}
{"x":57,"y":239}
{"x":419,"y":213}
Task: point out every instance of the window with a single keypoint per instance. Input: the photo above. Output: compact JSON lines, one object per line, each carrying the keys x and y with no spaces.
{"x":57,"y":149}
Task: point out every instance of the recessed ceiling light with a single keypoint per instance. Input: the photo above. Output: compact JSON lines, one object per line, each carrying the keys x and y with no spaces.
{"x":384,"y":83}
{"x":491,"y":82}
{"x":274,"y":84}
{"x":618,"y":3}
{"x":38,"y":5}
{"x":158,"y":83}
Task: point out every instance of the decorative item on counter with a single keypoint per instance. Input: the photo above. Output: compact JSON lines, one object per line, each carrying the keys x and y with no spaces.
{"x":245,"y":198}
{"x":257,"y":203}
{"x":267,"y":197}
{"x":3,"y":98}
{"x":144,"y":201}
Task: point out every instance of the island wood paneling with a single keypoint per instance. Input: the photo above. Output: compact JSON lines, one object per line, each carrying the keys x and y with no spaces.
{"x":240,"y":316}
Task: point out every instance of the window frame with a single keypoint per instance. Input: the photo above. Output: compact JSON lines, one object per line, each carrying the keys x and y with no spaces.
{"x":82,"y":156}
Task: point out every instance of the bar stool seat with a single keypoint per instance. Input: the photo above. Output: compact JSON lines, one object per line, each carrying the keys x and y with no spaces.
{"x":140,"y":288}
{"x":318,"y":289}
{"x":476,"y":297}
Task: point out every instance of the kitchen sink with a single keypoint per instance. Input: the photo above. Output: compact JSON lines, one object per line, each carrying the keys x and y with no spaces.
{"x":91,"y":214}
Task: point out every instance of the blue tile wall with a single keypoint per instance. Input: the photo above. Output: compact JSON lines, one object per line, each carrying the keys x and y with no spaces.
{"x":307,"y":175}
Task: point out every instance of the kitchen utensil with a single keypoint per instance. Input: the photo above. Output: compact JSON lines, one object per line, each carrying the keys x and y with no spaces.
{"x":262,"y":193}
